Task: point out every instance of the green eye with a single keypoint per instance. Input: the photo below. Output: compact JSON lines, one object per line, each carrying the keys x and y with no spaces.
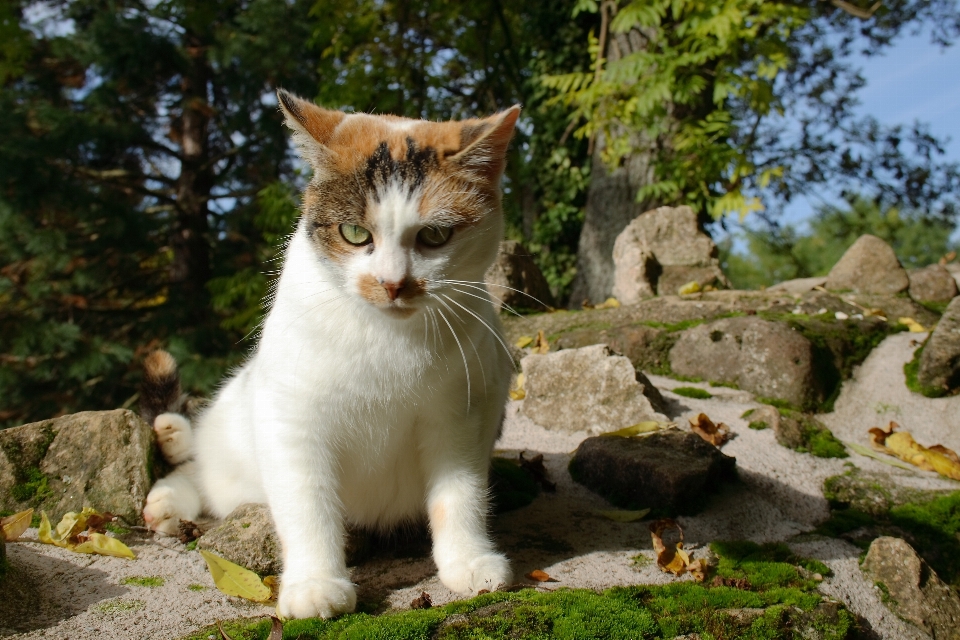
{"x":355,"y":234}
{"x":434,"y":236}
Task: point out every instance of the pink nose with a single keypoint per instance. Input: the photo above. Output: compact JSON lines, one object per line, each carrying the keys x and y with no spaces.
{"x":392,"y":288}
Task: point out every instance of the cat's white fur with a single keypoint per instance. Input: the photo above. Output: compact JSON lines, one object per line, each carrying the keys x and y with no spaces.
{"x":347,"y":414}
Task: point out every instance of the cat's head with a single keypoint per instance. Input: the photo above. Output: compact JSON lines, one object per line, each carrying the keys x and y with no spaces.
{"x":396,"y":206}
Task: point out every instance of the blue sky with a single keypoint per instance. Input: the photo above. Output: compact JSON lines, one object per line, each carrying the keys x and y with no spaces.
{"x":914,"y":80}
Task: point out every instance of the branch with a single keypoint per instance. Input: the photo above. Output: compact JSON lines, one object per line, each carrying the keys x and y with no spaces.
{"x":855,"y":11}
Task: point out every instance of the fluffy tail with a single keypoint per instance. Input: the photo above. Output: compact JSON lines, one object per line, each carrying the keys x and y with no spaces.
{"x":160,"y":390}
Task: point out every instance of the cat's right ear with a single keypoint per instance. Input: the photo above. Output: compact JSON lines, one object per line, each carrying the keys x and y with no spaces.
{"x":312,"y":126}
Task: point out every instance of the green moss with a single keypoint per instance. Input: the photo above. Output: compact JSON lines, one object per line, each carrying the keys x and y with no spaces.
{"x":937,"y":307}
{"x":144,"y":581}
{"x":116,"y":529}
{"x":512,"y":486}
{"x":910,"y":371}
{"x":192,"y":545}
{"x":758,"y":425}
{"x":844,"y":521}
{"x":640,"y":560}
{"x":823,"y":444}
{"x":782,"y":405}
{"x":692,"y":392}
{"x":784,"y":601}
{"x":727,"y":385}
{"x":120,"y":605}
{"x":34,"y":487}
{"x":746,"y":414}
{"x":196,"y":587}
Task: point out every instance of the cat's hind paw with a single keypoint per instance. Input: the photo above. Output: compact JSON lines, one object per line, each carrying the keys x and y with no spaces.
{"x":174,"y":437}
{"x":488,"y":571}
{"x":160,"y":512}
{"x":316,"y":597}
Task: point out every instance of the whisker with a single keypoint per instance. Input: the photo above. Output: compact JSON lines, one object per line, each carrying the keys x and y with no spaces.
{"x":484,"y":322}
{"x":462,"y":354}
{"x":469,"y":339}
{"x":524,"y":293}
{"x":503,"y":304}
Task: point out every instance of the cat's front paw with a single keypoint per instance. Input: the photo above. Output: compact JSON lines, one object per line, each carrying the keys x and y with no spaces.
{"x":489,"y":571}
{"x":316,"y":597}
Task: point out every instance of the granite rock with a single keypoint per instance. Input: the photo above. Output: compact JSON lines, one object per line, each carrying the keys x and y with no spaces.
{"x":940,"y":361}
{"x":248,"y":538}
{"x":932,"y":283}
{"x":868,"y":266}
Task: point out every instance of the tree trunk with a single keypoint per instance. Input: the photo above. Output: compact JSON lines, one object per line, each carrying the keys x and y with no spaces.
{"x":190,"y":269}
{"x":611,"y":200}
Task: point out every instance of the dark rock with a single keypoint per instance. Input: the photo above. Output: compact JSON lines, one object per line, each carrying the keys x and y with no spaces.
{"x":587,"y":389}
{"x":101,"y":459}
{"x":660,"y":251}
{"x":670,"y":470}
{"x":247,"y":537}
{"x":932,"y":283}
{"x":766,"y":358}
{"x":912,"y":589}
{"x":516,"y":281}
{"x":868,"y":266}
{"x":940,"y":360}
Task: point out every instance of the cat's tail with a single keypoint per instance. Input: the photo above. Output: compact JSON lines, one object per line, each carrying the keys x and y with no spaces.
{"x":160,"y":390}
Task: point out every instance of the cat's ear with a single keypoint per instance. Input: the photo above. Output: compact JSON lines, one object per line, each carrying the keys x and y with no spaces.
{"x":312,"y":126}
{"x":483,"y":146}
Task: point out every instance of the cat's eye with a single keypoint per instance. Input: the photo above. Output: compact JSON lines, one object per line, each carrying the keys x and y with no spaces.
{"x":355,"y":234}
{"x":434,"y":236}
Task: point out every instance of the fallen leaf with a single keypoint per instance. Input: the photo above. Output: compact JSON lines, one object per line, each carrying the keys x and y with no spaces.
{"x":223,"y":634}
{"x":276,"y":629}
{"x":523,"y":341}
{"x":540,"y":576}
{"x":715,"y":434}
{"x":950,"y":257}
{"x":73,"y":533}
{"x":623,"y":516}
{"x":901,"y":444}
{"x":518,"y":393}
{"x":647,"y":426}
{"x":912,"y":325}
{"x":673,"y":559}
{"x":14,"y":526}
{"x":187,"y":532}
{"x":690,"y":287}
{"x":736,"y":583}
{"x":234,"y":580}
{"x":273,"y":583}
{"x":885,"y":459}
{"x":541,"y":346}
{"x":422,"y":601}
{"x":535,"y":466}
{"x":609,"y":303}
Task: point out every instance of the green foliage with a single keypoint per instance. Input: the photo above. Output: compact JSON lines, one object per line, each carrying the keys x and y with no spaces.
{"x":782,"y":253}
{"x":692,"y":392}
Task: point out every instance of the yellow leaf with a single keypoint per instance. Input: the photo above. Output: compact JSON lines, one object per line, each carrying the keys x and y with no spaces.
{"x":902,"y":445}
{"x":234,"y":580}
{"x":609,"y":303}
{"x":104,"y":545}
{"x":690,"y":287}
{"x":14,"y":526}
{"x":523,"y":341}
{"x":542,"y":346}
{"x":672,"y":560}
{"x":517,"y":394}
{"x":912,"y":325}
{"x":43,"y":533}
{"x":647,"y":426}
{"x":864,"y":451}
{"x":623,"y":516}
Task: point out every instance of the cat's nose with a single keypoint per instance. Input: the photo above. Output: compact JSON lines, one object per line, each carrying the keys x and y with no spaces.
{"x":392,"y":288}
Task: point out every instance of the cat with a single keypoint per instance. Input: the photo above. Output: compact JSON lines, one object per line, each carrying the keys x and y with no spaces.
{"x":378,"y":385}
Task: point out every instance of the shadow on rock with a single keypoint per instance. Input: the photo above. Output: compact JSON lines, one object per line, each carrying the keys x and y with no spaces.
{"x":40,"y":591}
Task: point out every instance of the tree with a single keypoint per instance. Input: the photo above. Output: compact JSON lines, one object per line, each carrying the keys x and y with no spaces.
{"x":735,"y":106}
{"x":135,"y":139}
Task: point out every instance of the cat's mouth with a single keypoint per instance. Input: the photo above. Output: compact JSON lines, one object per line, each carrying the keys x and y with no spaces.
{"x":398,"y":311}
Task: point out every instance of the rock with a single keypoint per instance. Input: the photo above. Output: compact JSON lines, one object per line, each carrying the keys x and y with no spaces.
{"x":587,"y":389}
{"x":101,"y":459}
{"x":802,"y":432}
{"x":932,"y":283}
{"x":669,"y":470}
{"x":660,"y":251}
{"x":912,"y":589}
{"x":940,"y":360}
{"x":247,"y":537}
{"x":766,"y":358}
{"x":953,"y":268}
{"x":868,"y":266}
{"x":798,"y":285}
{"x":516,"y":281}
{"x":647,"y":348}
{"x":872,"y":493}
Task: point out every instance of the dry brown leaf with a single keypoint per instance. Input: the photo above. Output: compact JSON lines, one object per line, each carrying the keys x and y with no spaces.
{"x":541,"y":345}
{"x":535,"y":466}
{"x":673,"y":559}
{"x":422,"y":601}
{"x":736,"y":583}
{"x":273,"y":583}
{"x":715,"y":434}
{"x":14,"y":526}
{"x":950,"y":257}
{"x":276,"y":629}
{"x":188,"y":532}
{"x":539,"y":576}
{"x":72,"y":533}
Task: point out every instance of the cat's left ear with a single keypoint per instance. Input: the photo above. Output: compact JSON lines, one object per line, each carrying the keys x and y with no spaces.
{"x":484,"y":145}
{"x":312,"y":126}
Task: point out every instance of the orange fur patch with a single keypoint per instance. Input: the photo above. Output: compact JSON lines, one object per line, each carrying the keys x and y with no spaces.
{"x":374,"y":292}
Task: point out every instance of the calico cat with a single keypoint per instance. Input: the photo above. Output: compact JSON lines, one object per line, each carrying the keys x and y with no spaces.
{"x":378,"y":385}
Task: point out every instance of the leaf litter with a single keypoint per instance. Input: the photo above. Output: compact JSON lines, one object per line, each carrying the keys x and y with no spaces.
{"x":14,"y":526}
{"x":540,"y":576}
{"x":673,"y":559}
{"x":715,"y":434}
{"x":83,"y":532}
{"x":901,"y":444}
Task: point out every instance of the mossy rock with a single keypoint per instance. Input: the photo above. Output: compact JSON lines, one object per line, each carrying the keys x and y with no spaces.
{"x":776,"y":601}
{"x":804,"y":433}
{"x":910,"y":373}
